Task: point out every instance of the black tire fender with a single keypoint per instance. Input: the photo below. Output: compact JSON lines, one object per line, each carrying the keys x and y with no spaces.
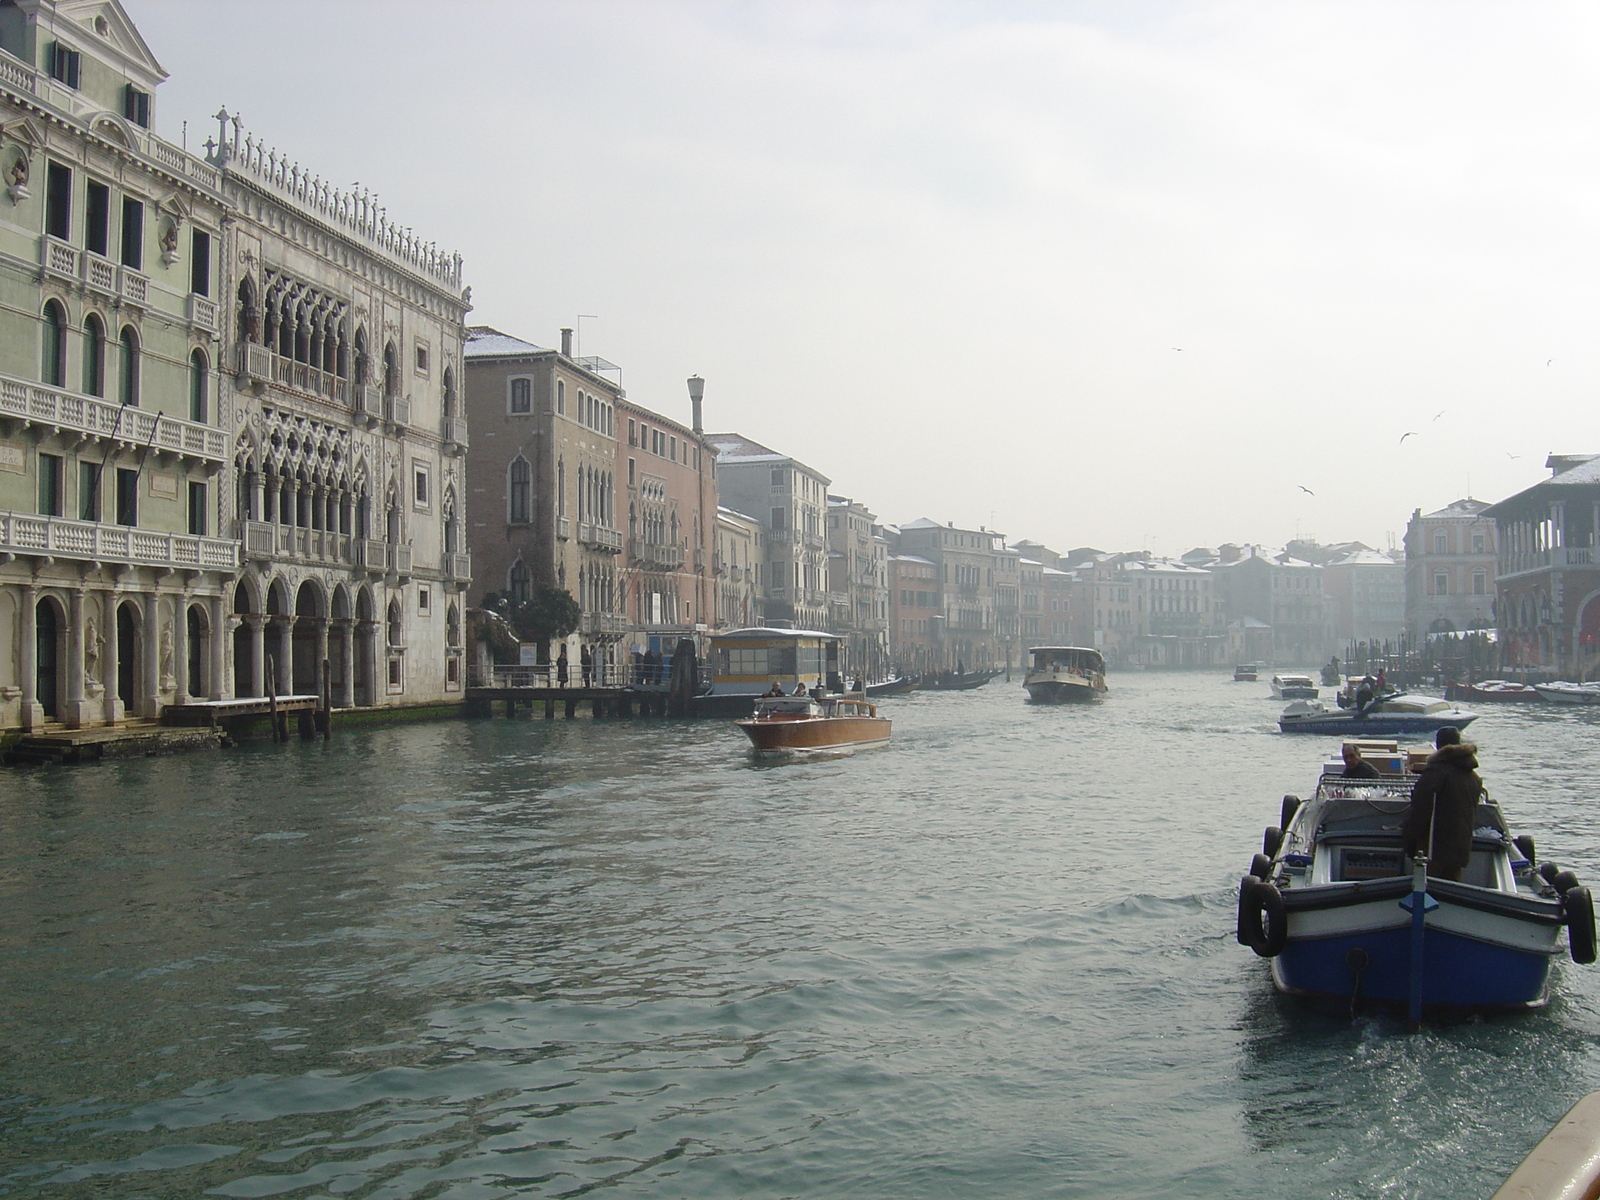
{"x":1271,"y":841}
{"x":1564,"y":881}
{"x":1245,"y":884}
{"x":1262,"y":919}
{"x":1524,"y":843}
{"x":1578,"y":907}
{"x":1291,"y":805}
{"x":1548,"y":870}
{"x":1261,"y":867}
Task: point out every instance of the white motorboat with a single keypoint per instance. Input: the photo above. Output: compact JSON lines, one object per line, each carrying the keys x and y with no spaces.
{"x":1396,"y":714}
{"x":1294,"y":687}
{"x":1562,"y":692}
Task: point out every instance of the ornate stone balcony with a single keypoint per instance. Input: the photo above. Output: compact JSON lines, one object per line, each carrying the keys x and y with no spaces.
{"x":656,"y":554}
{"x":459,"y":567}
{"x":58,"y":537}
{"x":267,"y":540}
{"x":38,"y":404}
{"x":397,"y":411}
{"x":604,"y":624}
{"x":563,"y":527}
{"x":453,"y":431}
{"x":600,"y":537}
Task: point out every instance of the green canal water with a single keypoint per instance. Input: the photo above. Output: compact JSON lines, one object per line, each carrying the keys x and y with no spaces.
{"x":515,"y":958}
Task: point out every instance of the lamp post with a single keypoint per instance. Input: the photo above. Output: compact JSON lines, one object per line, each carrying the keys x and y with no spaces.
{"x":707,"y":534}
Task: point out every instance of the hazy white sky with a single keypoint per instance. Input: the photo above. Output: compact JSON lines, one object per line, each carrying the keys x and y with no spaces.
{"x":1114,"y":273}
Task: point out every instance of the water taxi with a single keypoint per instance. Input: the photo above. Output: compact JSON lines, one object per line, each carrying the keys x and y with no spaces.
{"x":1246,"y":672}
{"x":795,"y":724}
{"x":1564,"y":692}
{"x":745,"y":663}
{"x":1336,"y":906}
{"x":1294,"y":687}
{"x":1062,"y":674}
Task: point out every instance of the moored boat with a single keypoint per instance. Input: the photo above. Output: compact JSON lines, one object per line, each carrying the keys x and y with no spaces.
{"x":1340,"y":911}
{"x":1396,"y":714}
{"x":1563,"y":692}
{"x":1286,"y":686}
{"x":796,"y":724}
{"x":898,"y":686}
{"x":1247,"y":672}
{"x":745,"y":664}
{"x":1063,"y":674}
{"x":1494,"y":691}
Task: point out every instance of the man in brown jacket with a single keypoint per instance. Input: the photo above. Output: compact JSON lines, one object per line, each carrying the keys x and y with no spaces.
{"x":1444,"y":801}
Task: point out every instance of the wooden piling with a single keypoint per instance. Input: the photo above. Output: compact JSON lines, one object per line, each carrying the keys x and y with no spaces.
{"x":272,"y":696}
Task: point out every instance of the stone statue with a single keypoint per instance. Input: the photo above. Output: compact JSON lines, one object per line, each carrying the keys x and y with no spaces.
{"x":166,"y":655}
{"x":19,"y":171}
{"x":92,"y":641}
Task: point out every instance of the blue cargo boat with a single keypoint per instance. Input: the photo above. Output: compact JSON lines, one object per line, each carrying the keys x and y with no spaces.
{"x":1333,"y":902}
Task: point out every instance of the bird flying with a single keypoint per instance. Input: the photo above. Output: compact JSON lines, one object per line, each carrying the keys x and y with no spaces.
{"x":1440,"y":413}
{"x":1305,"y":489}
{"x":1404,"y":436}
{"x":1511,"y":455}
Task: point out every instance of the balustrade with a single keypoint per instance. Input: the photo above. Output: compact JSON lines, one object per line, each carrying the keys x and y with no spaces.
{"x":25,"y":533}
{"x":45,"y":405}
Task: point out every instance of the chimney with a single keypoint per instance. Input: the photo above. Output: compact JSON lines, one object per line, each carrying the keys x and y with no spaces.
{"x":566,"y":343}
{"x":697,"y":389}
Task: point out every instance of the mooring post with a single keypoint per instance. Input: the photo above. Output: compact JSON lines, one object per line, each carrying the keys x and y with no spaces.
{"x":326,"y":701}
{"x":550,"y":708}
{"x":272,"y":696}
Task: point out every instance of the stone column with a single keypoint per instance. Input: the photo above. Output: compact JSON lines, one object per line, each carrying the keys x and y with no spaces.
{"x":32,"y":710}
{"x":113,"y":702}
{"x":258,"y":653}
{"x":76,"y":713}
{"x":347,"y":664}
{"x":180,"y":649}
{"x":285,"y":681}
{"x":150,"y":700}
{"x":257,"y":496}
{"x":221,"y":638}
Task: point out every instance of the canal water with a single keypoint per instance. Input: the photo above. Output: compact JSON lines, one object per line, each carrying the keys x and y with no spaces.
{"x":517,"y":958}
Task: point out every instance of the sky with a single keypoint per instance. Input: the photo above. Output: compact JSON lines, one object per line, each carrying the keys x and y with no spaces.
{"x":1129,"y":275}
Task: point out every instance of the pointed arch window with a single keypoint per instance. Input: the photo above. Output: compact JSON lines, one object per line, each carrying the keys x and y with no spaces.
{"x":518,"y":583}
{"x":520,"y":492}
{"x":391,"y":370}
{"x":54,"y":366}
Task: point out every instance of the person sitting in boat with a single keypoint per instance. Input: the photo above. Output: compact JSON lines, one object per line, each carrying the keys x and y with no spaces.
{"x":800,"y":687}
{"x":1356,"y":767}
{"x":1444,"y":803}
{"x":776,"y":689}
{"x":1364,"y":694}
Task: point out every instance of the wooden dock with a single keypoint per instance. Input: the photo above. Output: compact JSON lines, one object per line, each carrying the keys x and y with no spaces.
{"x":127,"y":739}
{"x":603,"y":702}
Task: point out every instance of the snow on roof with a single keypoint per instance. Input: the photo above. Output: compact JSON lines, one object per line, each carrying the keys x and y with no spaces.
{"x":734,"y":512}
{"x":1459,"y":508}
{"x":1364,"y":558}
{"x":1054,"y":571}
{"x":922,"y":523}
{"x":910,"y":558}
{"x":731,"y":447}
{"x":484,"y":342}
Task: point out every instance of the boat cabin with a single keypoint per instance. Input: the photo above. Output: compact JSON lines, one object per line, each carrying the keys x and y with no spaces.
{"x":1067,"y":660}
{"x":747,"y":662}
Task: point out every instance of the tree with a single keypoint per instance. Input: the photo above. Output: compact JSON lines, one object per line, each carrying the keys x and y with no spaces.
{"x":550,"y":613}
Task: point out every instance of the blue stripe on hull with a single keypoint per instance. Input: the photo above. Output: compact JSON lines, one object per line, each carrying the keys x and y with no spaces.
{"x":1457,"y":971}
{"x":1377,"y":724}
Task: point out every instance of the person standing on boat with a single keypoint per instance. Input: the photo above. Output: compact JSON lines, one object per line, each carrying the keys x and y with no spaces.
{"x":1356,"y":767}
{"x":1444,"y":803}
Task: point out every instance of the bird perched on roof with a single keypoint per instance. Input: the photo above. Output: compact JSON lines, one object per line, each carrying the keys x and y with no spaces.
{"x":1404,"y":436}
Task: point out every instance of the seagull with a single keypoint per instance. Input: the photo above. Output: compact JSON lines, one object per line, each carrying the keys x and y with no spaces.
{"x":1511,"y":455}
{"x":1548,"y":361}
{"x":1404,"y":436}
{"x":1305,"y":489}
{"x":1440,"y":413}
{"x":1179,"y":349}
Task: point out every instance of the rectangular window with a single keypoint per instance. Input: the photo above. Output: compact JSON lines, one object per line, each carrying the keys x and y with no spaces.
{"x":421,"y":486}
{"x":1441,"y":584}
{"x":561,"y":396}
{"x":58,"y":201}
{"x":127,"y":496}
{"x":673,"y":452}
{"x":521,"y":395}
{"x":780,"y":520}
{"x":88,"y":491}
{"x":136,"y":105}
{"x":97,"y":219}
{"x":1441,"y":543}
{"x":65,"y":64}
{"x":630,"y":472}
{"x":779,"y":477}
{"x":132,"y":233}
{"x":200,"y":262}
{"x":197,"y":508}
{"x":422,"y":599}
{"x":422,"y":360}
{"x":50,"y":485}
{"x":1477,"y":543}
{"x":1479,"y":583}
{"x":633,"y":433}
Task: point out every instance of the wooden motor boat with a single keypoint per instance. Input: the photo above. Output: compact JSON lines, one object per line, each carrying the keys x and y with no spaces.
{"x":1062,"y":674}
{"x":1334,"y":903}
{"x":1246,"y":672}
{"x":1494,"y":691}
{"x":1563,"y":692}
{"x":790,"y":724}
